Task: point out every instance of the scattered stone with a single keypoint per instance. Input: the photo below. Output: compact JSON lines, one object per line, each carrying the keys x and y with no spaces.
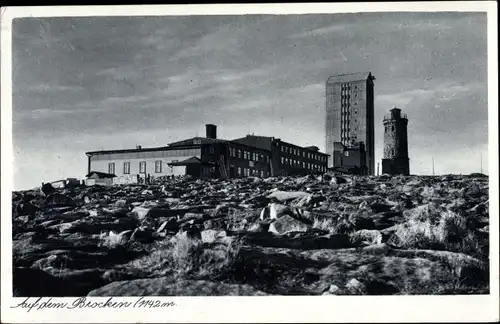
{"x":59,"y":200}
{"x":284,"y":196}
{"x":211,"y":236}
{"x":333,"y":290}
{"x":170,"y":225}
{"x":355,"y":286}
{"x":369,"y":237}
{"x":286,"y":224}
{"x":168,"y":287}
{"x":47,"y":189}
{"x":28,"y":282}
{"x":81,"y":233}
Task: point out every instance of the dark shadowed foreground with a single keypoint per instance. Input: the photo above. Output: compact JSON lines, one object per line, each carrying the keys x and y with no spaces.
{"x":330,"y":235}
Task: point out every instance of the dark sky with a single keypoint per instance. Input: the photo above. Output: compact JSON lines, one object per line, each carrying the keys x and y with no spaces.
{"x":82,"y":84}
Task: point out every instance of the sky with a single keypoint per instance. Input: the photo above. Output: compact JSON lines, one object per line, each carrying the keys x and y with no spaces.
{"x":89,"y":83}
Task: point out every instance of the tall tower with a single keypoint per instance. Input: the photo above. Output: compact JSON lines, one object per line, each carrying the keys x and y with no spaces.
{"x":396,"y":159}
{"x":350,"y":118}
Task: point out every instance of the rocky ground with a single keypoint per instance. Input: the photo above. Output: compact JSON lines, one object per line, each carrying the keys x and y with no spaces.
{"x":313,"y":235}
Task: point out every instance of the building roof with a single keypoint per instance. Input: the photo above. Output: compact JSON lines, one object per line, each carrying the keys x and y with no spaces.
{"x":312,"y":148}
{"x":197,"y":141}
{"x":350,"y":77}
{"x":265,"y":142}
{"x":148,"y":149}
{"x":262,"y":142}
{"x":259,"y":142}
{"x":190,"y":161}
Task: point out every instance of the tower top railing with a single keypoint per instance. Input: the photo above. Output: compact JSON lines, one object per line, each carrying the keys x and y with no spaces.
{"x":391,"y":116}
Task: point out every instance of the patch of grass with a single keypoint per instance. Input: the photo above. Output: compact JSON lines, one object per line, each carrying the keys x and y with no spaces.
{"x":186,"y":258}
{"x":430,"y":228}
{"x":334,"y":224}
{"x":324,"y":223}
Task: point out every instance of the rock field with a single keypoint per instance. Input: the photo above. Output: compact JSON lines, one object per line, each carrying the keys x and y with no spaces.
{"x":311,"y":235}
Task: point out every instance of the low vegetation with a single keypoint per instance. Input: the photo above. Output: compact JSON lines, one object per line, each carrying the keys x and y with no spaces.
{"x":314,"y":235}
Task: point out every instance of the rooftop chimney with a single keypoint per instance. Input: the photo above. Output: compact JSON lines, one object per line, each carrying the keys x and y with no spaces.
{"x":138,"y":147}
{"x":211,"y":131}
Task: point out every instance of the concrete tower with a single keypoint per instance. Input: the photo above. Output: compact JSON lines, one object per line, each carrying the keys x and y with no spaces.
{"x":350,"y":137}
{"x":396,"y":159}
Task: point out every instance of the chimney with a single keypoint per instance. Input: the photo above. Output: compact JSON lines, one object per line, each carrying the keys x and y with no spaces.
{"x":138,"y":147}
{"x":211,"y":131}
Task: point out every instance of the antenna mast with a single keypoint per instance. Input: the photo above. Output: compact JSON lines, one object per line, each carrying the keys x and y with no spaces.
{"x":432,"y":165}
{"x":481,"y":155}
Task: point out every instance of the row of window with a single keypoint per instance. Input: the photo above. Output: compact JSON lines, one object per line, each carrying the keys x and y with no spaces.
{"x":242,"y":154}
{"x":297,"y":152}
{"x":164,"y":154}
{"x":251,"y":172}
{"x":304,"y":165}
{"x":142,"y":167}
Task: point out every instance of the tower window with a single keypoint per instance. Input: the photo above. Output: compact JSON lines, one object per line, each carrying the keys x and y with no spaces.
{"x":393,"y":128}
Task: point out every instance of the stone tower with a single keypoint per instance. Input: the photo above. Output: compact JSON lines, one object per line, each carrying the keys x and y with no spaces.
{"x":396,"y":159}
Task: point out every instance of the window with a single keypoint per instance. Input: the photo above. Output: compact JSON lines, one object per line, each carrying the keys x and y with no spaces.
{"x":239,"y":171}
{"x":142,"y":167}
{"x":158,"y":166}
{"x":111,"y":168}
{"x":282,"y":160}
{"x":262,"y":174}
{"x":126,"y":167}
{"x":239,"y":154}
{"x":346,"y":153}
{"x":211,"y":150}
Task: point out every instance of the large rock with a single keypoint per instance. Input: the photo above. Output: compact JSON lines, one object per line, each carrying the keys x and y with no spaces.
{"x":166,"y":286}
{"x":28,"y":282}
{"x":26,"y":208}
{"x":379,"y":271}
{"x":299,"y":242}
{"x":284,"y":196}
{"x":168,"y":225}
{"x":47,"y":189}
{"x":212,"y":236}
{"x":286,"y":224}
{"x":59,"y":200}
